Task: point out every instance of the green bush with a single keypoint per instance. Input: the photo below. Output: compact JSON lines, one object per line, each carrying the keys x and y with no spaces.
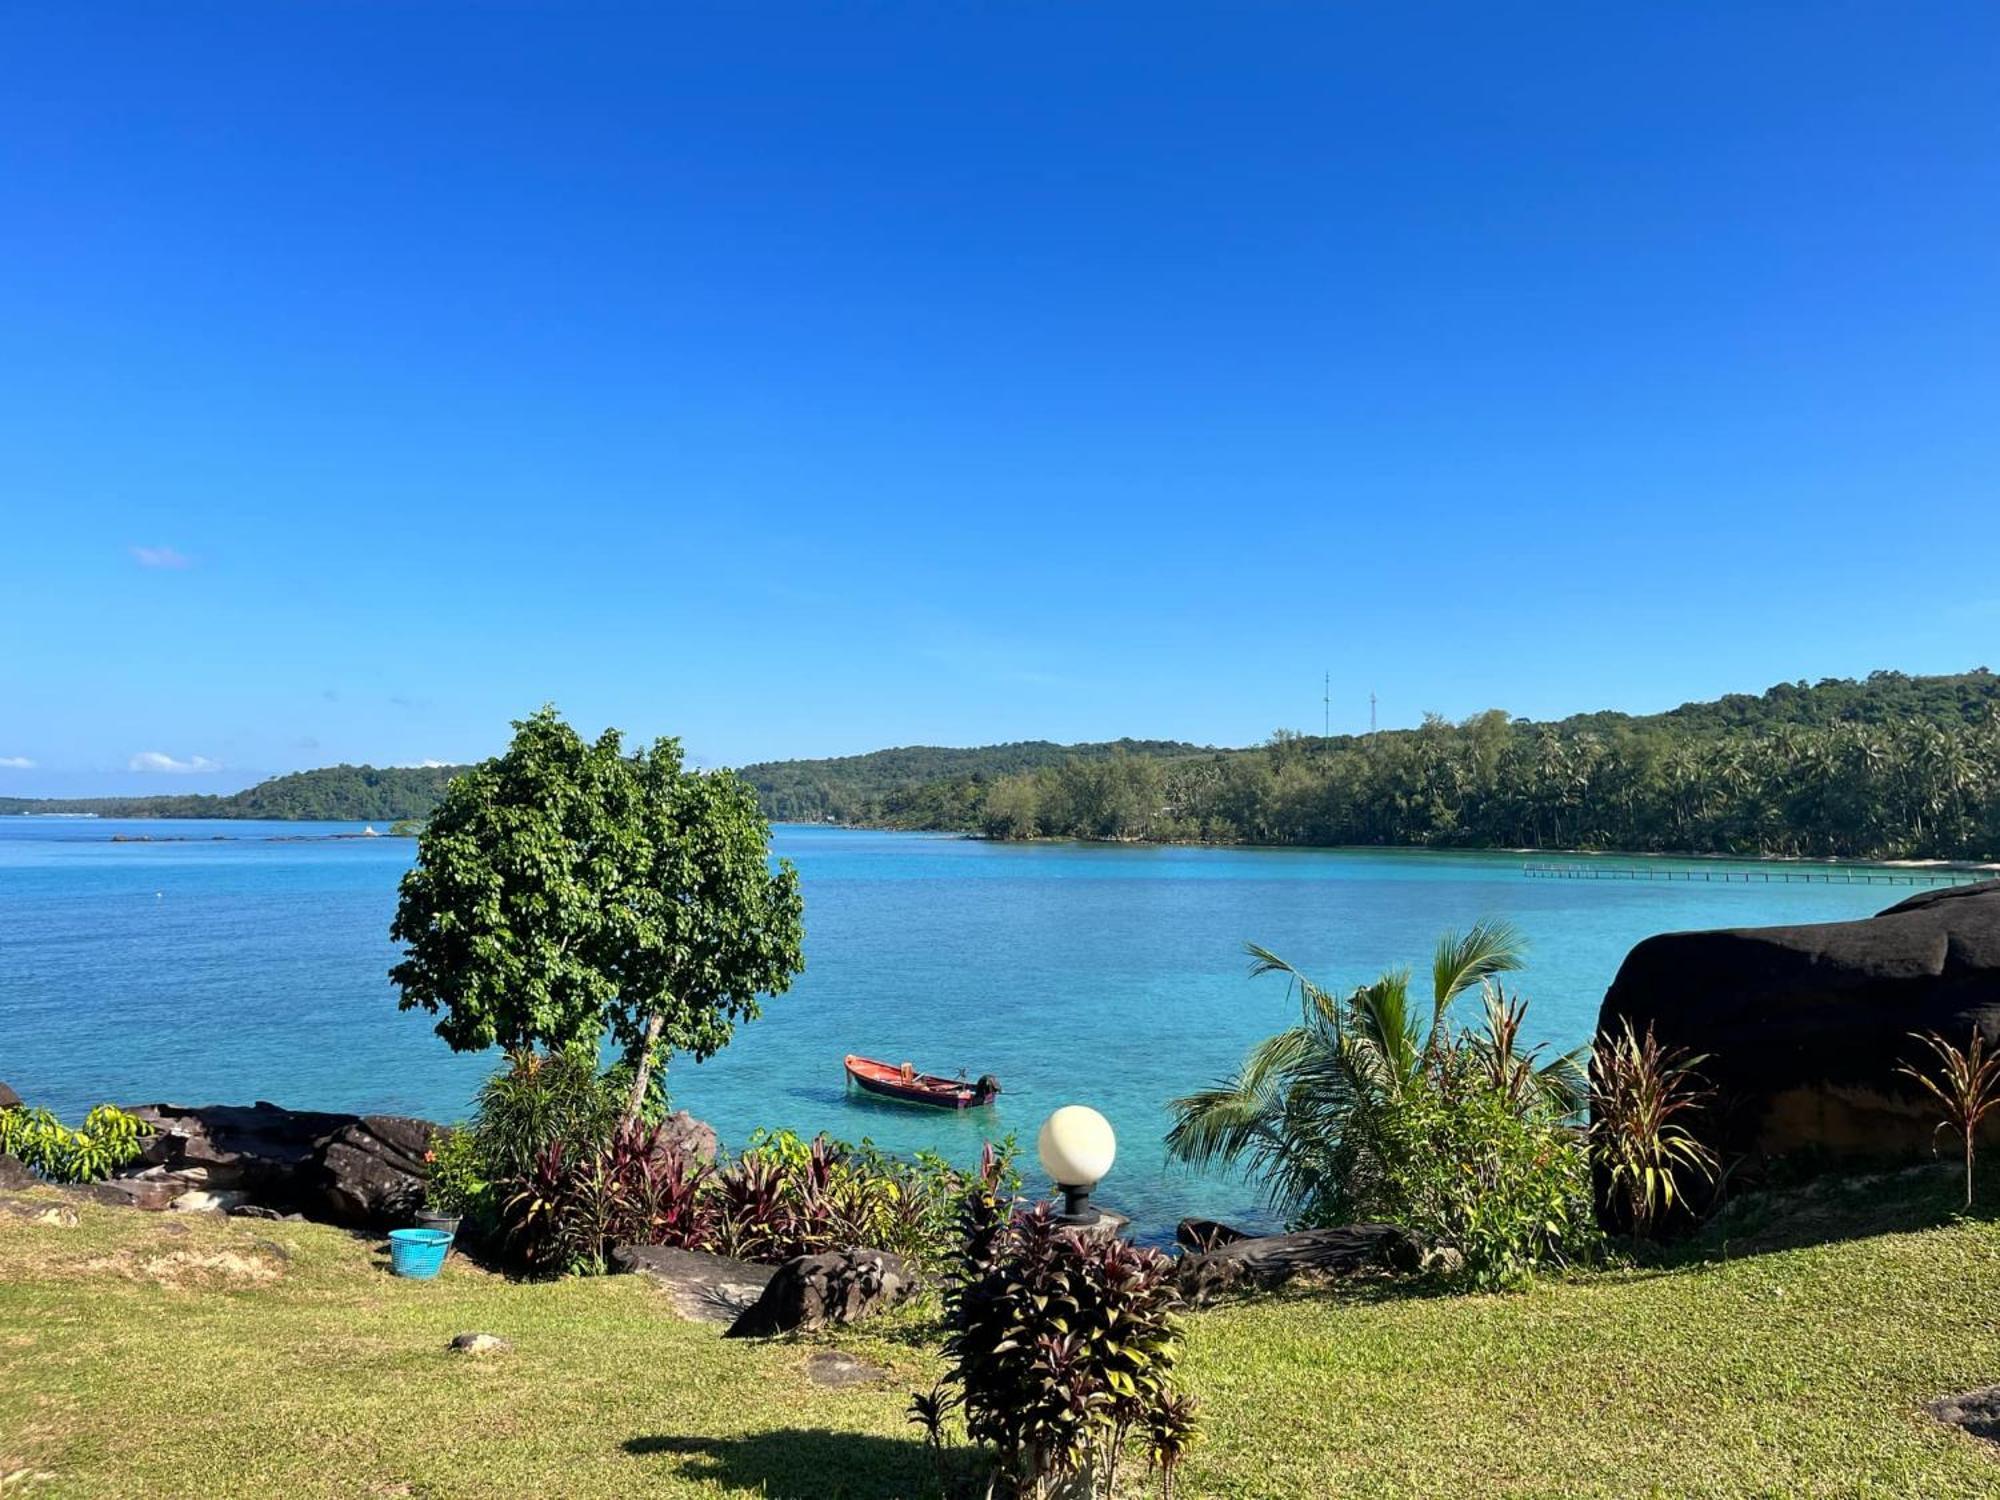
{"x":785,"y":1196}
{"x":1468,"y":1169}
{"x":538,"y":1100}
{"x":1377,"y":1106}
{"x":457,"y":1183}
{"x":109,"y":1139}
{"x":1062,"y":1350}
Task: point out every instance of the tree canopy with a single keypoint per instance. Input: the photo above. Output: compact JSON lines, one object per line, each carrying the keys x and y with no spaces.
{"x":565,"y":893}
{"x":1887,"y":766}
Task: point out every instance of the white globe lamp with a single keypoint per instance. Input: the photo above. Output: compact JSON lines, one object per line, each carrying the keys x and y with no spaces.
{"x":1077,"y":1148}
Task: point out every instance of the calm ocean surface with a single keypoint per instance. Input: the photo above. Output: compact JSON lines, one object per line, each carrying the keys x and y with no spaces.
{"x":248,"y":961}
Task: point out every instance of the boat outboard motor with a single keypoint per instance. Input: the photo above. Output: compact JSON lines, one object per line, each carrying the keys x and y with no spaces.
{"x":987,"y":1084}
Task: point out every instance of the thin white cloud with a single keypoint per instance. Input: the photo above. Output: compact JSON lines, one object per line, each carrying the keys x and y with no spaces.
{"x":423,"y":765}
{"x":16,"y":763}
{"x":161,"y":557}
{"x":153,"y":760}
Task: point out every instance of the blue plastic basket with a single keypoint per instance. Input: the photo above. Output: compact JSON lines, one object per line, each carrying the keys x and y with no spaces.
{"x":418,"y":1252}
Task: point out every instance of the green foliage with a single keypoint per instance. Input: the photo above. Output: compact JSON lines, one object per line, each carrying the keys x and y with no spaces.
{"x":564,"y":892}
{"x":786,"y":1196}
{"x":548,"y":1162}
{"x":1642,"y":1095}
{"x":1374,"y":1107}
{"x":1062,"y":1349}
{"x":537,"y":1100}
{"x":1887,"y":767}
{"x":348,"y":794}
{"x":916,"y":782}
{"x":1966,"y":1084}
{"x":109,"y":1139}
{"x":456,"y":1181}
{"x":575,"y":1203}
{"x":1464,"y":1164}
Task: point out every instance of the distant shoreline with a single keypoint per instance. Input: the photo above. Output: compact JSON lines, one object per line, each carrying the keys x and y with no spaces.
{"x":1986,"y":867}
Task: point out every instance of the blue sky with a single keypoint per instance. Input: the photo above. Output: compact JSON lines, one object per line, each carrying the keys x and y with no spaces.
{"x":807,"y":379}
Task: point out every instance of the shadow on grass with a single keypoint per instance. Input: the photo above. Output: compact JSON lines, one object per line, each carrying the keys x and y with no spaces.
{"x":1830,"y":1209}
{"x":802,"y":1463}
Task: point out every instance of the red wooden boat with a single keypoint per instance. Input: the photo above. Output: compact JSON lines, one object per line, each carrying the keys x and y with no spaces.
{"x":910,"y":1086}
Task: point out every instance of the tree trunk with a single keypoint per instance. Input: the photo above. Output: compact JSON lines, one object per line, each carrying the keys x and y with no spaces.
{"x":642,"y":1074}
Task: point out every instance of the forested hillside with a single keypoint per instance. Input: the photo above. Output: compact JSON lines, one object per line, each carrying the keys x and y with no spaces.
{"x":338,"y":793}
{"x":1882,"y":767}
{"x":873,"y":787}
{"x":1889,"y":766}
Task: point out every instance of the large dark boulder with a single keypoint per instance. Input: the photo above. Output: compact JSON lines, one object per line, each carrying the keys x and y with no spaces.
{"x":366,"y":1172}
{"x":371,"y":1172}
{"x":8,"y":1098}
{"x":1804,"y":1027}
{"x":813,"y":1291}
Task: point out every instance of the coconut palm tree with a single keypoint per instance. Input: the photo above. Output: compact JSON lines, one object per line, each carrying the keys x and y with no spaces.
{"x":1284,"y":1118}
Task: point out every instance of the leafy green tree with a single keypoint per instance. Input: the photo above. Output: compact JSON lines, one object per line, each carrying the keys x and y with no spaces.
{"x":564,"y":893}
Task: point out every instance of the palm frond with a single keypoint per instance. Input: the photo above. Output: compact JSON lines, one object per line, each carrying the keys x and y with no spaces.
{"x":1488,"y":948}
{"x":1313,"y":1000}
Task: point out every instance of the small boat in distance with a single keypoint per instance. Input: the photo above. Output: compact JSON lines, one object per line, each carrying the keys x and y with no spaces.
{"x":911,"y":1087}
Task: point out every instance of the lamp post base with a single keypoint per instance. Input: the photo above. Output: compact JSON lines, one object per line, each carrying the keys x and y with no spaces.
{"x":1085,"y":1217}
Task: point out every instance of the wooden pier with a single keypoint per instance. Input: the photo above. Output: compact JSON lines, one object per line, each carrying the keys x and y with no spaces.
{"x":1724,"y":876}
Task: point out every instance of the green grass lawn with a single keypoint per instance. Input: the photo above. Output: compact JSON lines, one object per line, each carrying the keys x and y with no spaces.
{"x":166,"y":1355}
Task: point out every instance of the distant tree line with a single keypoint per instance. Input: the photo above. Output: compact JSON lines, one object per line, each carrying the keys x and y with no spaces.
{"x":335,"y":793}
{"x":1892,"y":766}
{"x":859,"y":788}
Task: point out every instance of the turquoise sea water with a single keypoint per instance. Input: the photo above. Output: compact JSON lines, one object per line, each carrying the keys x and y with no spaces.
{"x":237,"y":961}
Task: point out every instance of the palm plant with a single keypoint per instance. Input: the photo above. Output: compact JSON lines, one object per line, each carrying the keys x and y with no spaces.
{"x":1286,"y":1117}
{"x":1967,"y":1085}
{"x":1640,"y":1094}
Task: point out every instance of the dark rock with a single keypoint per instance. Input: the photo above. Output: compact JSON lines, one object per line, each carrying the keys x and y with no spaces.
{"x":8,"y":1098}
{"x":253,"y":1211}
{"x":1270,"y":1260}
{"x":261,"y":1144}
{"x":361,"y":1171}
{"x":372,"y":1171}
{"x":1207,"y":1234}
{"x":479,"y":1344}
{"x":709,"y":1288}
{"x":126,"y":1192}
{"x":693,"y":1138}
{"x":1804,"y":1027}
{"x":1978,"y":1412}
{"x":13,"y":1174}
{"x":838,"y":1286}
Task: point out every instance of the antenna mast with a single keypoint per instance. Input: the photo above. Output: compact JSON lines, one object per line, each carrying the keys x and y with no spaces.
{"x":1371,"y":713}
{"x":1326,"y":707}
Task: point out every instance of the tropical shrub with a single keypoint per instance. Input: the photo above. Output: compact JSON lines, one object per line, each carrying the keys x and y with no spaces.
{"x":1062,"y":1350}
{"x":1375,"y":1106}
{"x":1967,"y":1085}
{"x":637,"y":1188}
{"x":109,"y":1139}
{"x":1498,"y":1179}
{"x":1642,"y":1097}
{"x":786,"y":1196}
{"x":783,"y":1196}
{"x":456,"y":1181}
{"x":538,"y":1100}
